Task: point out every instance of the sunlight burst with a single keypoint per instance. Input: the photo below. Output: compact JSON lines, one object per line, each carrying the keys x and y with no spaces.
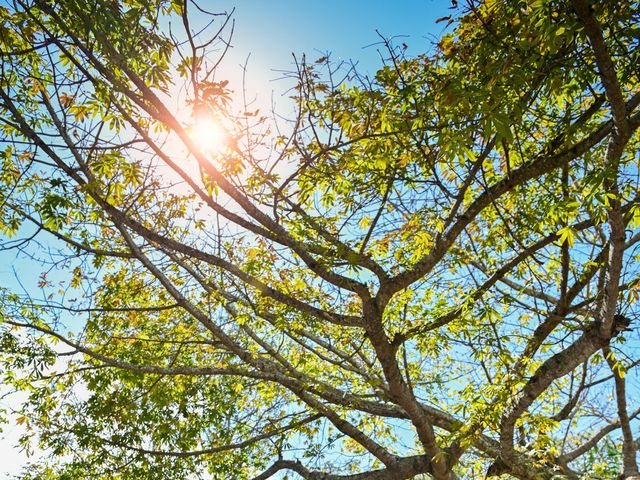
{"x":208,"y":135}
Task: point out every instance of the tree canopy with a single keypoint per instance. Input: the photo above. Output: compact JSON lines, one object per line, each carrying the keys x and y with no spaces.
{"x":430,"y":272}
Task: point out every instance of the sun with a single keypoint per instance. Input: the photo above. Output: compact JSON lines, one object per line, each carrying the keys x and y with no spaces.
{"x":208,"y":135}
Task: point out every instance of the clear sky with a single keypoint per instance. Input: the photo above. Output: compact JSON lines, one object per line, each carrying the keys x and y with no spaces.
{"x":271,"y":30}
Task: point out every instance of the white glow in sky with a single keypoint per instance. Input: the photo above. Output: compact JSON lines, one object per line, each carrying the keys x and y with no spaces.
{"x":208,"y":135}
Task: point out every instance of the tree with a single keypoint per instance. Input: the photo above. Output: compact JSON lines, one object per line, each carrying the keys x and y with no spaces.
{"x":427,"y":273}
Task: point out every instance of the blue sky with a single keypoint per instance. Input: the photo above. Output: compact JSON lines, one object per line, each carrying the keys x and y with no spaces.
{"x":271,"y":31}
